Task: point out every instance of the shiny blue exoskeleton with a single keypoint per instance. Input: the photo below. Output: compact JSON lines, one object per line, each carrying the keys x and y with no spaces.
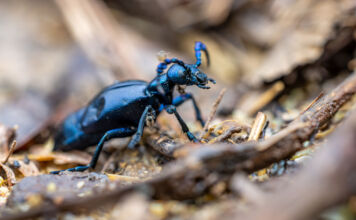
{"x":123,"y":109}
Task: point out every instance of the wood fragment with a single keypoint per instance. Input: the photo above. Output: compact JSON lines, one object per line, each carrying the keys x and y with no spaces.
{"x":12,"y":148}
{"x":329,"y":169}
{"x":257,"y":127}
{"x":223,"y":127}
{"x":225,"y":135}
{"x":312,"y":103}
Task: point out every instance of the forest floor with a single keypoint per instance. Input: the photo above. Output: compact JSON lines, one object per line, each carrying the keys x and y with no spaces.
{"x":278,"y":142}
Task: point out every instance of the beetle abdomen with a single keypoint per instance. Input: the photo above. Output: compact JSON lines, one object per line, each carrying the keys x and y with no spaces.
{"x":118,"y":106}
{"x":70,"y":135}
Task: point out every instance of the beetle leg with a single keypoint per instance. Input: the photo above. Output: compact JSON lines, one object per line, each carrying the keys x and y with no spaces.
{"x":171,"y":109}
{"x":182,"y":98}
{"x":119,"y":132}
{"x":137,"y":136}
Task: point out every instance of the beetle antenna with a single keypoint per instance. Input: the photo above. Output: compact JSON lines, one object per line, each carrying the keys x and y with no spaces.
{"x":199,"y":46}
{"x":163,"y":65}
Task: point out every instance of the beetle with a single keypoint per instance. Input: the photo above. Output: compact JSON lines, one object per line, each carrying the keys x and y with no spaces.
{"x":124,"y":108}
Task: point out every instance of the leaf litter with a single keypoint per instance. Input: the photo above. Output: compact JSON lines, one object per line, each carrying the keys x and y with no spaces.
{"x":287,"y":67}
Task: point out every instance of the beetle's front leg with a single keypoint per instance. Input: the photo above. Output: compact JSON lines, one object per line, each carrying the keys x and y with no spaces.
{"x":182,"y":98}
{"x":171,"y":109}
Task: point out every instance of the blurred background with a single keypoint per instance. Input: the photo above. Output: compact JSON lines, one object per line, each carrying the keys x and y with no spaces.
{"x":55,"y":55}
{"x":275,"y":56}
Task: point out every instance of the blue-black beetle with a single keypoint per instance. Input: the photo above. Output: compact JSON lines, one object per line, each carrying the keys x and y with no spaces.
{"x":122,"y":109}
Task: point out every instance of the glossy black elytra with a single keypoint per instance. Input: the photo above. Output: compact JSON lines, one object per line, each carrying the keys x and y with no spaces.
{"x":122,"y":109}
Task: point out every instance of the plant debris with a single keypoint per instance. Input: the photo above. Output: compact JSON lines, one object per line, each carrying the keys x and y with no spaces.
{"x":278,"y":142}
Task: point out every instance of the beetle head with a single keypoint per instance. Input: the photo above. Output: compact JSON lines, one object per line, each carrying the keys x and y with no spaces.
{"x":189,"y":75}
{"x":196,"y":77}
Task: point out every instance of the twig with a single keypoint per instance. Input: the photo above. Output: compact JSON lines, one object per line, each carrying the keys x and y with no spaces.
{"x":12,"y":148}
{"x":213,"y":111}
{"x":225,"y":135}
{"x":331,"y":168}
{"x":257,"y":126}
{"x":312,"y":103}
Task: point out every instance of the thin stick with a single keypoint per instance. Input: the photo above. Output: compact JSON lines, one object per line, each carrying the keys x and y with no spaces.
{"x":257,"y":126}
{"x":225,"y":135}
{"x":312,"y":103}
{"x":213,"y":111}
{"x":12,"y":148}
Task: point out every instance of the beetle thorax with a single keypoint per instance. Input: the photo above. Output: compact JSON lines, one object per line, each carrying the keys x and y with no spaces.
{"x":177,"y":75}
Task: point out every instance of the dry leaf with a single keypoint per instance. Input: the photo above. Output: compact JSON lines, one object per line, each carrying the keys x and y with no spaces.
{"x":10,"y":176}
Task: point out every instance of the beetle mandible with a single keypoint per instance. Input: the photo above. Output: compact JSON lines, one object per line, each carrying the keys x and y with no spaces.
{"x":121,"y":109}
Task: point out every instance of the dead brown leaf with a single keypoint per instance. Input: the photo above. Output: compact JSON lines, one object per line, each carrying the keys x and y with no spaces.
{"x":10,"y":175}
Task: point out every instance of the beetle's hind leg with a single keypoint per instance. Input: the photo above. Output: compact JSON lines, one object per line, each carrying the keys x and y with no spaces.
{"x":119,"y":132}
